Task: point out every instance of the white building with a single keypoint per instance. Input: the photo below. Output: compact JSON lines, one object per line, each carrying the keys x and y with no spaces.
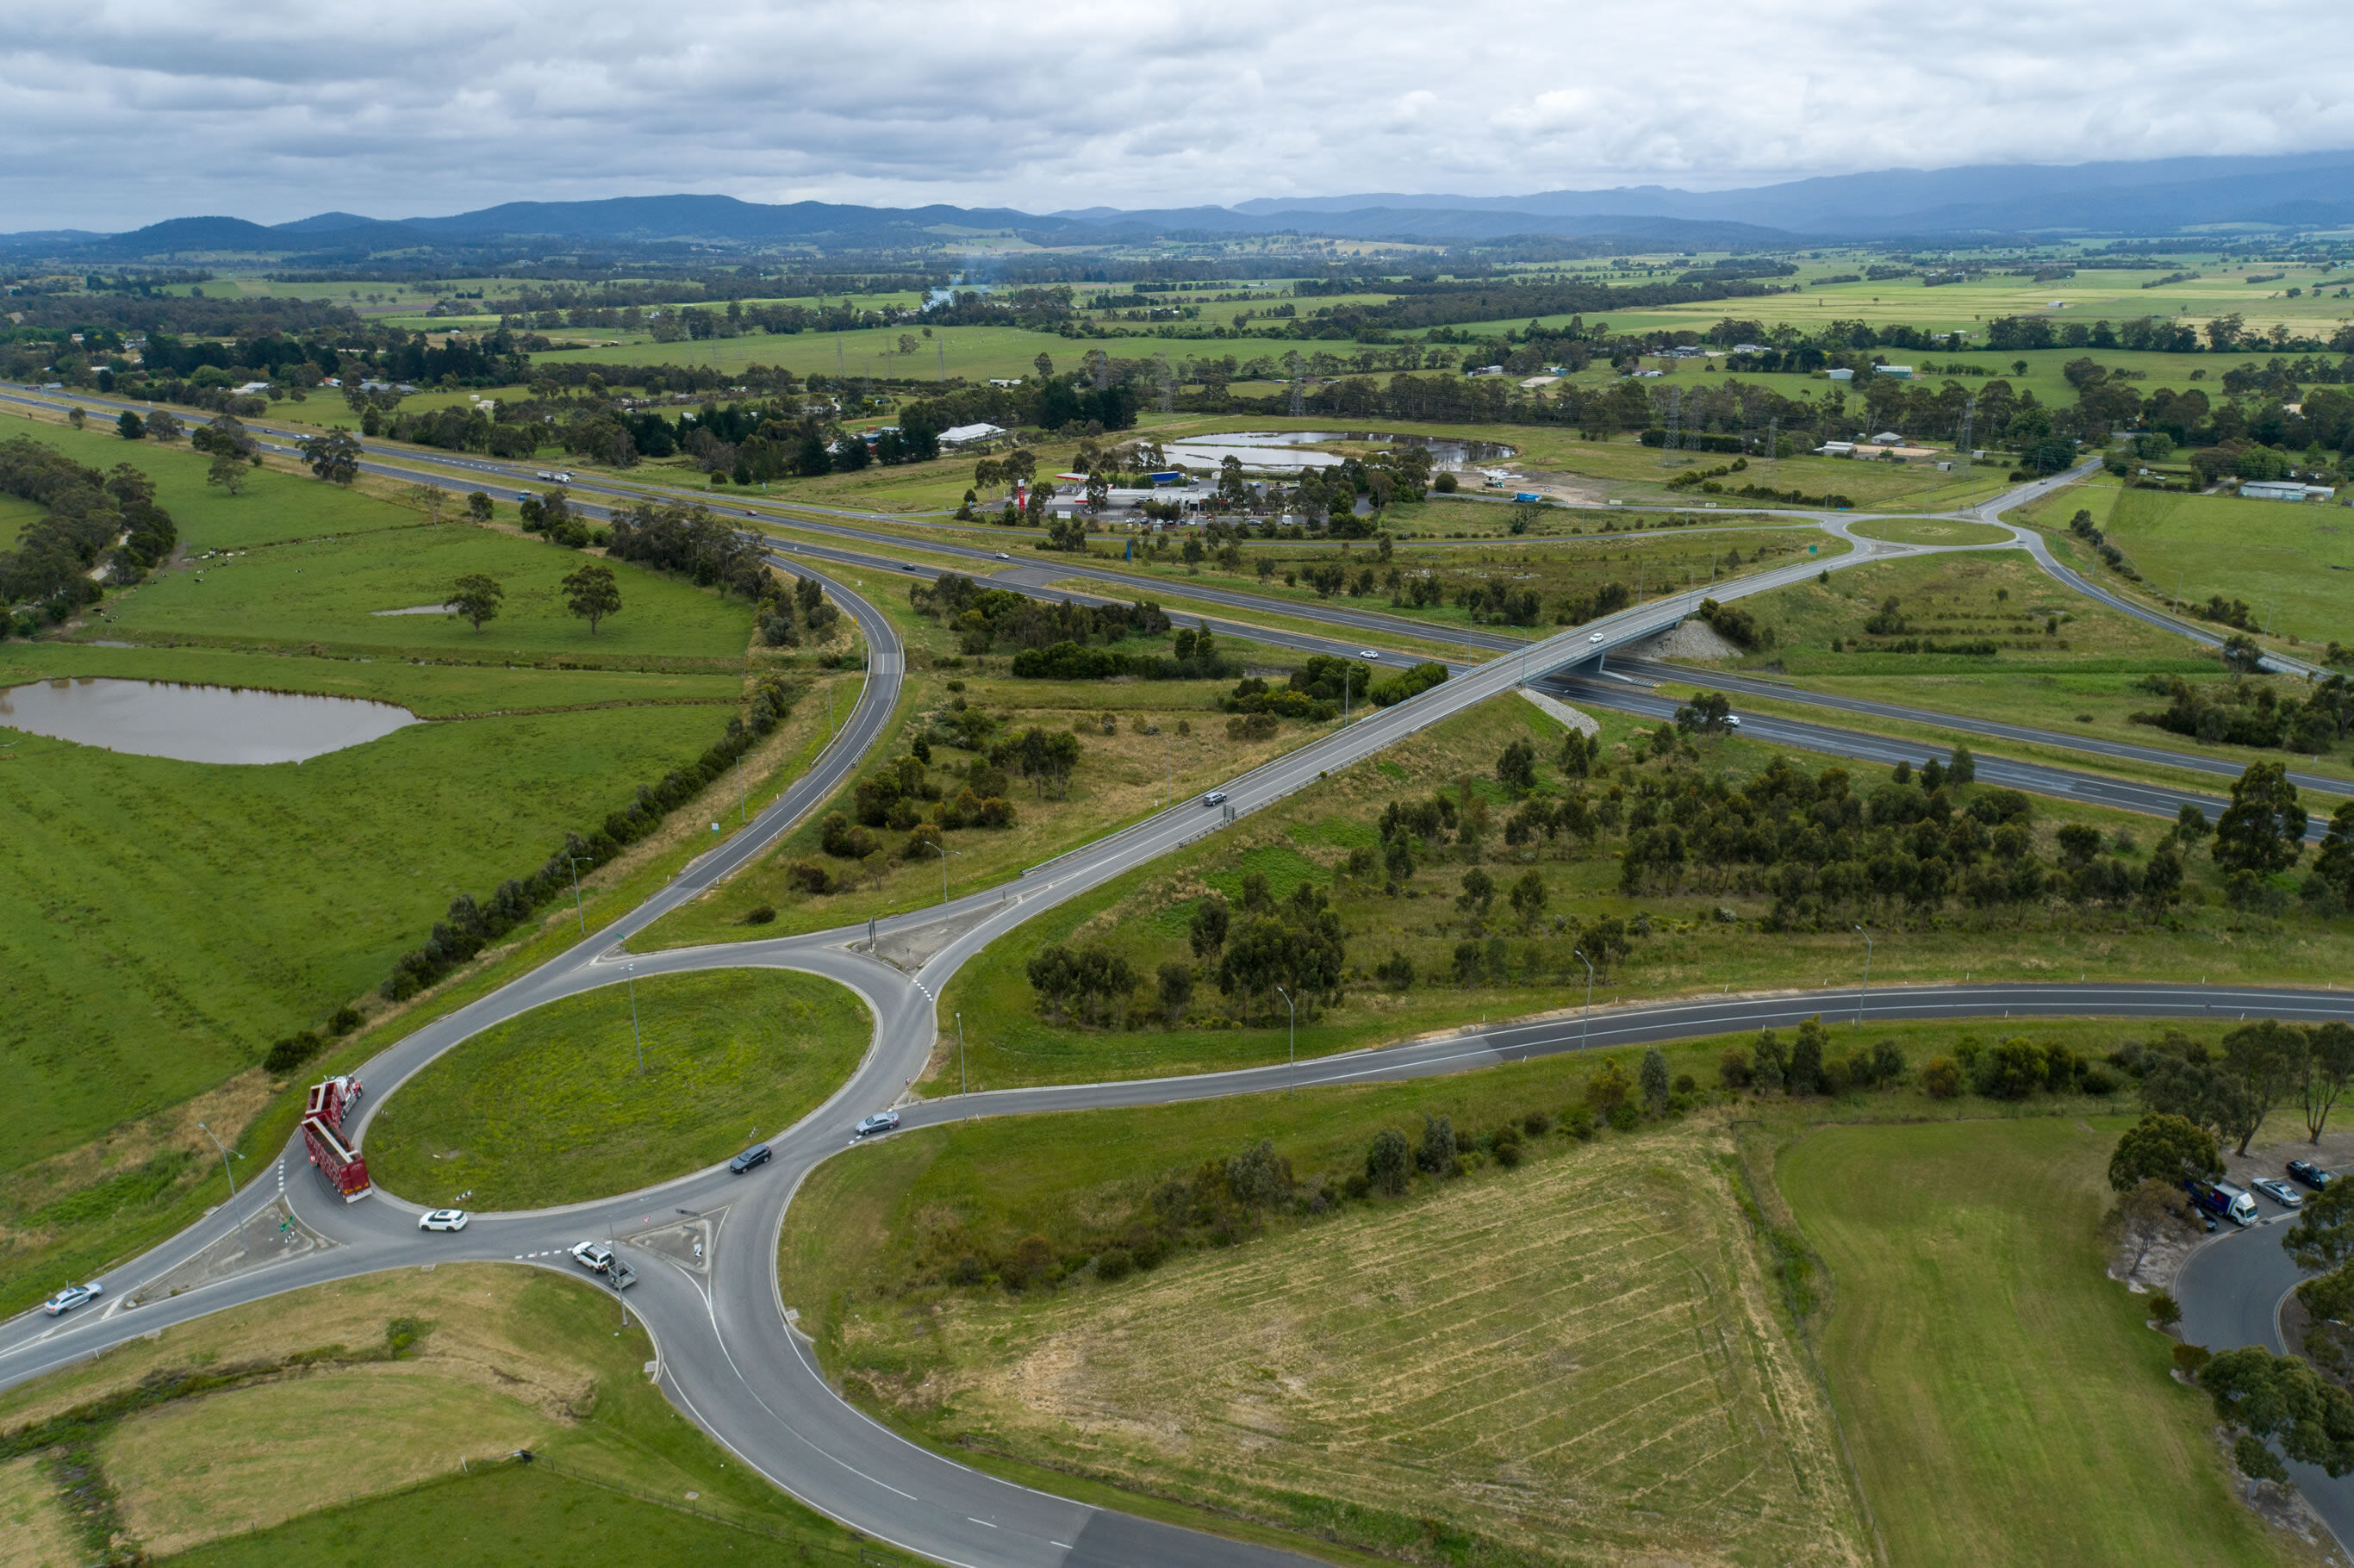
{"x":966,"y":434}
{"x":2284,"y":490}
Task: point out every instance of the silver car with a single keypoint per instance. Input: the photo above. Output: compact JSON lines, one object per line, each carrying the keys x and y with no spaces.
{"x":2279,"y":1191}
{"x":71,"y":1296}
{"x":880,"y":1121}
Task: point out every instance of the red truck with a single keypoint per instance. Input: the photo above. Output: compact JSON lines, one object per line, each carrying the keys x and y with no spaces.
{"x":323,"y":1135}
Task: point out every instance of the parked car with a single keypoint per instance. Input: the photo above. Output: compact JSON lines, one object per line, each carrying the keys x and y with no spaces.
{"x":71,"y":1296}
{"x":1214,"y":797}
{"x":880,"y":1121}
{"x":443,"y":1220}
{"x":2279,"y":1191}
{"x":756,"y":1155}
{"x":2310,"y":1174}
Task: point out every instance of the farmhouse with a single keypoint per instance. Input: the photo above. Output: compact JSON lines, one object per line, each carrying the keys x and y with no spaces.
{"x":2284,"y":490}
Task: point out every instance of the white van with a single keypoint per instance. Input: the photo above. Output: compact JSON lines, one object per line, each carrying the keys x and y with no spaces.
{"x":2243,"y":1212}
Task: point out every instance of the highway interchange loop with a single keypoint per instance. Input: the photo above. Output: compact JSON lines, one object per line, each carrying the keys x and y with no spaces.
{"x":728,"y":1355}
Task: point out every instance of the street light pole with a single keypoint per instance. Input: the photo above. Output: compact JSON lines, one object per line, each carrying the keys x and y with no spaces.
{"x":960,"y":1081}
{"x":741,"y":818}
{"x":1585,"y":1025}
{"x":577,"y":909}
{"x":635,"y":1032}
{"x":232,"y":1181}
{"x":1292,"y":1070}
{"x":1867,"y":977}
{"x":944,"y":869}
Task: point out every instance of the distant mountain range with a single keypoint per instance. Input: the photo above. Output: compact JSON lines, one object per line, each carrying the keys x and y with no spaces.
{"x":2159,"y":197}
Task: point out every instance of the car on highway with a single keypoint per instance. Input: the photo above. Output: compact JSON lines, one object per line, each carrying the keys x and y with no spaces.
{"x":758,"y":1154}
{"x":522,"y":495}
{"x":1367,"y":653}
{"x":543,"y":474}
{"x":1003,"y":556}
{"x":880,"y":1121}
{"x":2279,"y":1191}
{"x":443,"y":1220}
{"x":563,"y":479}
{"x":1733,"y":719}
{"x":1214,"y":797}
{"x":1596,"y":638}
{"x":2310,"y":1174}
{"x":71,"y":1296}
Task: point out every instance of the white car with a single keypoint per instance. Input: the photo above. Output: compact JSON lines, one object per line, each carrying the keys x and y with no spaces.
{"x":71,"y":1296}
{"x":1596,"y":638}
{"x":443,"y":1220}
{"x":880,"y":1121}
{"x":1733,"y":719}
{"x":1367,"y":653}
{"x":1003,"y":556}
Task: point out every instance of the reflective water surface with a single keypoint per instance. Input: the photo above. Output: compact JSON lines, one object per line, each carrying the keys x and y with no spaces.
{"x":195,"y":724}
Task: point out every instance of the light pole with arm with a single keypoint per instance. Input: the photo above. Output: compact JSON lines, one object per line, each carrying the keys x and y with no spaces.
{"x":1867,"y":978}
{"x":576,"y":909}
{"x":959,"y":1018}
{"x":231,"y":1174}
{"x":944,"y":867}
{"x":632,"y":971}
{"x":1585,"y":1024}
{"x":1291,"y":1071}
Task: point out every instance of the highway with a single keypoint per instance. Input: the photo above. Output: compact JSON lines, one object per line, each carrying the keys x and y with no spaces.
{"x":727,"y":1355}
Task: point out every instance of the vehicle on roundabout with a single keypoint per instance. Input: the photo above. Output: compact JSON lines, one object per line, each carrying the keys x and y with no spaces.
{"x":71,"y":1296}
{"x":880,"y":1121}
{"x":443,"y":1220}
{"x":599,"y":1258}
{"x":758,"y":1154}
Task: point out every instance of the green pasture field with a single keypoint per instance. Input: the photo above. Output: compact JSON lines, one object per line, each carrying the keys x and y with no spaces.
{"x":1266,"y":1339}
{"x":2294,"y":564}
{"x":276,"y":506}
{"x":1143,"y":917}
{"x":2003,"y":1400}
{"x":972,"y":352}
{"x":256,"y":599}
{"x":1952,"y":598}
{"x":551,"y":1107}
{"x":500,"y":1358}
{"x":326,"y":871}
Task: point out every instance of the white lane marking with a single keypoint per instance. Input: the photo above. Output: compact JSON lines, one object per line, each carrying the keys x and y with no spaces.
{"x":969,"y":1519}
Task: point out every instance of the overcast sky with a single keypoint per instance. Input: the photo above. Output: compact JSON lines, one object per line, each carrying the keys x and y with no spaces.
{"x":121,"y":112}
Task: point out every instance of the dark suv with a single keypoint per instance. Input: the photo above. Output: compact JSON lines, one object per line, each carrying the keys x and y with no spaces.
{"x":755,"y":1155}
{"x":2306,"y":1174}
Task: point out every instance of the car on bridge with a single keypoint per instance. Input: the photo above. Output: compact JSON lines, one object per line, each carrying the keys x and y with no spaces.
{"x":443,"y":1220}
{"x":1596,"y":638}
{"x":71,"y":1296}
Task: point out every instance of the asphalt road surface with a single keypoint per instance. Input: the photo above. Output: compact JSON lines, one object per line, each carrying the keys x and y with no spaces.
{"x":728,"y":1354}
{"x":2231,"y":1291}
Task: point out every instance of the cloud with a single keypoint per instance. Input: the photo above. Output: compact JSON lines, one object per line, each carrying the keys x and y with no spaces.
{"x":134,"y":111}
